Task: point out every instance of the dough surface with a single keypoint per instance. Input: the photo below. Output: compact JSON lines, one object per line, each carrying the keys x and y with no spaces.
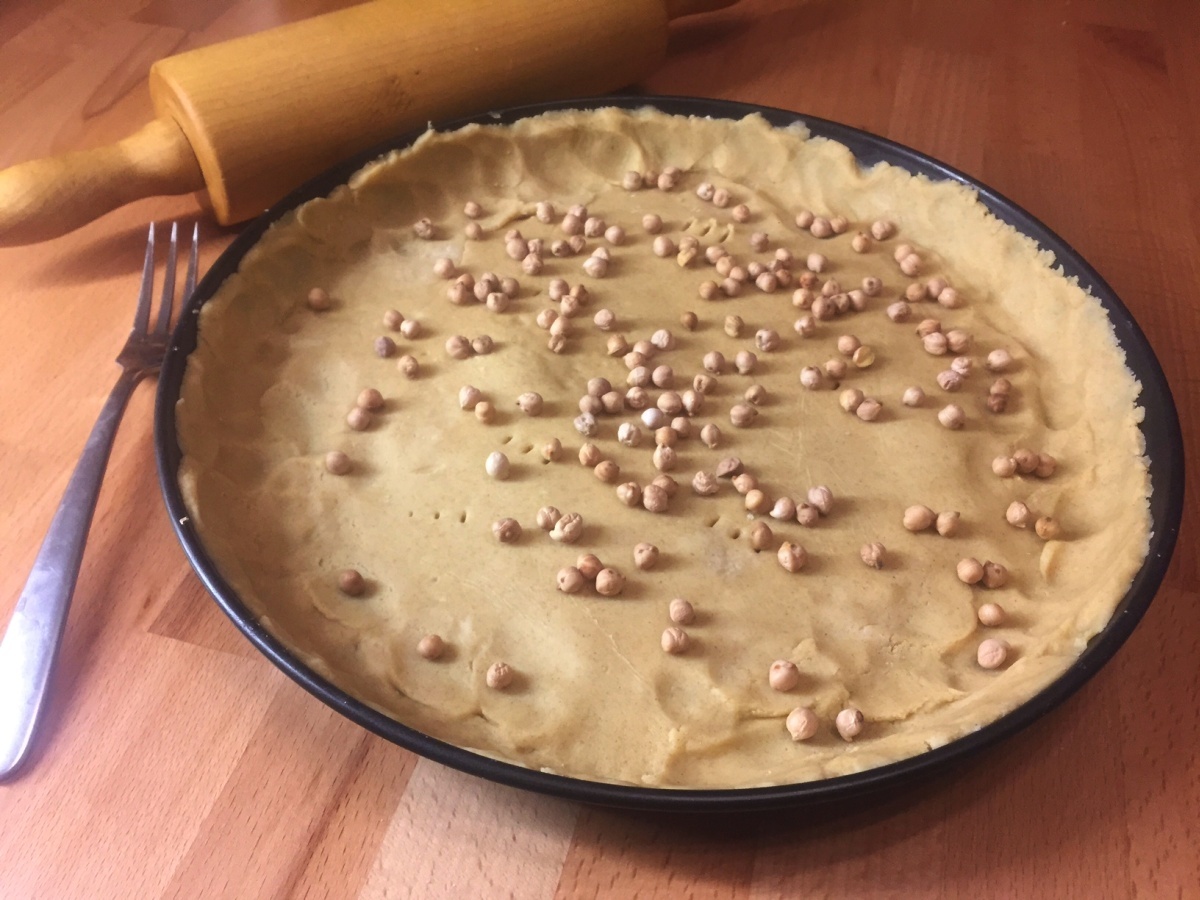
{"x":269,"y":386}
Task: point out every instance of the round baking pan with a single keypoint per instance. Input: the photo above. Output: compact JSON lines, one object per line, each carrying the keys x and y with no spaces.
{"x":1164,"y":449}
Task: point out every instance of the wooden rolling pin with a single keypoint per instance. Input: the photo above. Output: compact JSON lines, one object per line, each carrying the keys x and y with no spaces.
{"x":252,"y":118}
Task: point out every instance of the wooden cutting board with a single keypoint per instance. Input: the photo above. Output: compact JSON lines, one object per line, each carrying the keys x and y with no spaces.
{"x":252,"y":118}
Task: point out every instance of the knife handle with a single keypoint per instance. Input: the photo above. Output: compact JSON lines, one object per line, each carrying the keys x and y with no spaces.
{"x":45,"y":198}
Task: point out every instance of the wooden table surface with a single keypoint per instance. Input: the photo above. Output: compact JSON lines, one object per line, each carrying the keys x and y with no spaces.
{"x":178,"y":762}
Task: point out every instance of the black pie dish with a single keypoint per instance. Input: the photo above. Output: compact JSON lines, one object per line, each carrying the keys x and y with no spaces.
{"x":1164,"y":449}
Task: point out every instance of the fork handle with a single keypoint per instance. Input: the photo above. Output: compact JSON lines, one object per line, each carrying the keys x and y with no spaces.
{"x":35,"y":631}
{"x":45,"y":198}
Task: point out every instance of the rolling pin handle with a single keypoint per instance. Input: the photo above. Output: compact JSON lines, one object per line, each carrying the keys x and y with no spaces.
{"x":45,"y":198}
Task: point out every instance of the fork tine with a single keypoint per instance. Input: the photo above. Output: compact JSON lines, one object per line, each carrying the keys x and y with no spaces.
{"x":168,"y":288}
{"x":141,"y":319}
{"x":189,"y":281}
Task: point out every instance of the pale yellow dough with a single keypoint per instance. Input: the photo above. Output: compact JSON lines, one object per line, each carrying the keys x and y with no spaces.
{"x":268,"y":388}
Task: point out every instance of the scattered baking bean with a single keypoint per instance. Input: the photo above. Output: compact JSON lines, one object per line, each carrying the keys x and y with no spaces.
{"x":802,"y":723}
{"x":863,"y":357}
{"x":761,"y":537}
{"x":351,"y":583}
{"x":913,"y":396}
{"x":767,"y":340}
{"x":651,"y":223}
{"x":645,"y":556}
{"x":665,"y":458}
{"x":992,"y":653}
{"x":585,"y":424}
{"x":744,"y":483}
{"x":807,"y":515}
{"x":423,"y":228}
{"x":994,"y":575}
{"x":568,"y":529}
{"x":629,"y":493}
{"x":408,"y":365}
{"x":589,"y":454}
{"x":756,"y":394}
{"x":869,"y":409}
{"x":458,"y":347}
{"x":609,"y":582}
{"x":319,"y":300}
{"x":483,"y":344}
{"x":850,"y":399}
{"x":873,"y":554}
{"x":1004,"y":466}
{"x":952,"y":416}
{"x":547,"y":517}
{"x":1047,"y":465}
{"x":899,"y":311}
{"x":757,"y":501}
{"x":820,"y":227}
{"x":370,"y":399}
{"x":552,"y":450}
{"x":949,"y":380}
{"x":783,"y":675}
{"x":990,"y":615}
{"x":469,"y":396}
{"x":596,"y":266}
{"x":742,"y":415}
{"x":849,"y":723}
{"x":708,"y":290}
{"x":805,"y":326}
{"x":499,"y":676}
{"x":861,"y":243}
{"x":969,"y":570}
{"x":655,"y":499}
{"x":910,"y":265}
{"x":485,"y":412}
{"x":935,"y":343}
{"x":607,"y":471}
{"x":958,"y":340}
{"x":915,"y":292}
{"x":358,"y":419}
{"x":821,"y":497}
{"x":882,"y":229}
{"x":663,"y":246}
{"x":570,"y":580}
{"x":1026,"y":460}
{"x":616,"y":345}
{"x":384,"y":346}
{"x":804,"y":219}
{"x":1018,"y":514}
{"x":497,"y":465}
{"x":949,"y":298}
{"x":704,"y":484}
{"x":337,"y":462}
{"x":783,"y":509}
{"x":507,"y":530}
{"x":721,"y":198}
{"x":918,"y":518}
{"x":791,"y":556}
{"x":947,"y":523}
{"x":810,"y":377}
{"x":674,"y":640}
{"x":689,"y":320}
{"x":681,"y":612}
{"x":1047,"y":528}
{"x":431,"y":646}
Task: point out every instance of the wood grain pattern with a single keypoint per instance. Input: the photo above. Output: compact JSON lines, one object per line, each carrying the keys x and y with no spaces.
{"x":179,"y":763}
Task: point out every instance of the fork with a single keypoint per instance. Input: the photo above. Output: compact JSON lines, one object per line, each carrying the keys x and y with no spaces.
{"x":31,"y":642}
